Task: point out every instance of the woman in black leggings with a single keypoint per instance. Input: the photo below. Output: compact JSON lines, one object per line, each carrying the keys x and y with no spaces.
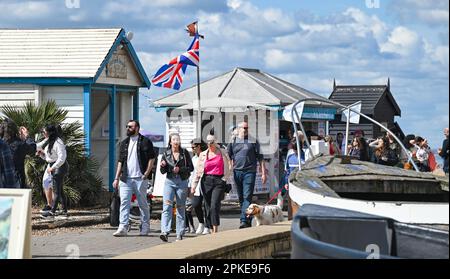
{"x":55,"y":155}
{"x":213,"y":170}
{"x":198,"y":146}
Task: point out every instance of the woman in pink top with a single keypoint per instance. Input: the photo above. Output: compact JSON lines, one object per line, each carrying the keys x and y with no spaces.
{"x":213,"y":170}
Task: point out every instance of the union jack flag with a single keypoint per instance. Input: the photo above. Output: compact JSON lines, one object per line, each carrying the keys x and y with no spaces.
{"x":171,"y":75}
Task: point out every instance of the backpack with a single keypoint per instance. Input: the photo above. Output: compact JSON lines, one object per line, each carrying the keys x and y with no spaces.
{"x":114,"y":209}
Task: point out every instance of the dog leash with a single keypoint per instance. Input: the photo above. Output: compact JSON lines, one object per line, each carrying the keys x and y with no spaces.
{"x":274,"y":196}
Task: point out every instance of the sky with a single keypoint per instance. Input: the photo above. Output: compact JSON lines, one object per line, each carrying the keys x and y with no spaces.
{"x":306,"y":42}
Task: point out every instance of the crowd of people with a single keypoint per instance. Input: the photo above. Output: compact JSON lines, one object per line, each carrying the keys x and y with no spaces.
{"x":16,"y":144}
{"x":192,"y":184}
{"x":196,"y":183}
{"x":385,"y":150}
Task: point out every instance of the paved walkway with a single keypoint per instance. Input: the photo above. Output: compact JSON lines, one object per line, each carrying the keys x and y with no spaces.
{"x":98,"y":242}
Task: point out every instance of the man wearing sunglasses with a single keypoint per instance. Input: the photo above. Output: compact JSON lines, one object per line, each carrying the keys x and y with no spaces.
{"x":135,"y":163}
{"x":244,"y":154}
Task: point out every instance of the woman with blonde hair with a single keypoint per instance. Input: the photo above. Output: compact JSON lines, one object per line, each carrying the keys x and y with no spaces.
{"x":213,"y":171}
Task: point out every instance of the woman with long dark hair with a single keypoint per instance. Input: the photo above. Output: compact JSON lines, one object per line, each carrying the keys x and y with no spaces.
{"x":176,"y":163}
{"x":358,"y":149}
{"x":198,"y":146}
{"x":55,"y":155}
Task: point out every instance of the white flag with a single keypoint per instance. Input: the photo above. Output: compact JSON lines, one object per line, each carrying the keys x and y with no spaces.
{"x":354,"y":117}
{"x":287,"y":112}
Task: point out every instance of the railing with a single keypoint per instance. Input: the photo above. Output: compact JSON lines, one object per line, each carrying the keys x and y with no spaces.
{"x":295,"y":112}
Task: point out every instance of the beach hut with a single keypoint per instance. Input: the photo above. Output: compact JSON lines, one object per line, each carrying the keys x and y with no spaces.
{"x":377,"y":101}
{"x":95,"y":74}
{"x":254,"y":91}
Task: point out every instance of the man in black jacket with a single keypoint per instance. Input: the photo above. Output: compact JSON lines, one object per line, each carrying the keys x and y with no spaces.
{"x":444,"y":151}
{"x":21,"y":146}
{"x":7,"y":171}
{"x":136,"y":158}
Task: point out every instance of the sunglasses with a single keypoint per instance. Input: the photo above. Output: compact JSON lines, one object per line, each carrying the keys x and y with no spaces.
{"x":129,"y":127}
{"x":194,"y":146}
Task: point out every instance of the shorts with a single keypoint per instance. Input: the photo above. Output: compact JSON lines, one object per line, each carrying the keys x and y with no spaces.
{"x":47,"y":180}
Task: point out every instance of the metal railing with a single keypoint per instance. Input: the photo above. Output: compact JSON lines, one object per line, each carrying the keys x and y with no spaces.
{"x":295,"y":112}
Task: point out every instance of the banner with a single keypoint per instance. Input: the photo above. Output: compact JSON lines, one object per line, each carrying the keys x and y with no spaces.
{"x":287,"y":112}
{"x":354,"y":117}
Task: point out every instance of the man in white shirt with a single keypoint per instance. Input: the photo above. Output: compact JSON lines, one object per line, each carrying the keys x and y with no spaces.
{"x":134,"y":166}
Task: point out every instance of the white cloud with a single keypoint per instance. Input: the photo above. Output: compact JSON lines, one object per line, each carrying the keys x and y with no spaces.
{"x":439,"y":54}
{"x":25,"y":10}
{"x":275,"y":59}
{"x":234,"y":4}
{"x":363,"y":24}
{"x":401,"y":41}
{"x":434,"y":16}
{"x":354,"y":46}
{"x":433,"y":13}
{"x":78,"y":17}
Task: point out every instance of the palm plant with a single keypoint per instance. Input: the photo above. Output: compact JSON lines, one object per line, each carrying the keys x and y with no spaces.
{"x":82,"y":185}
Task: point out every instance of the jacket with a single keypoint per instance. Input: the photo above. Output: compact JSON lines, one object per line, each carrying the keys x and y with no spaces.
{"x":184,"y":162}
{"x":20,"y":149}
{"x":7,"y":171}
{"x":201,"y":165}
{"x":145,"y":152}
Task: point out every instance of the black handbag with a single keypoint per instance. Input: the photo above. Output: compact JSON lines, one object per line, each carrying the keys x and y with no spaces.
{"x":114,"y":209}
{"x":228,"y":187}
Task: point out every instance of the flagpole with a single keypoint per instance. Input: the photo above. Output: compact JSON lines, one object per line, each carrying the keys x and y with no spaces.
{"x":347,"y":130}
{"x":199,"y":114}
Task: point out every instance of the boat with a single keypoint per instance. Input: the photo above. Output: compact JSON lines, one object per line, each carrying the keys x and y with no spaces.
{"x":356,"y":209}
{"x":345,"y":183}
{"x":360,"y":210}
{"x":321,"y":232}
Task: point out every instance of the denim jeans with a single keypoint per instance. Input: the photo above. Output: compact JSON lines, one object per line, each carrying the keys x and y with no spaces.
{"x":58,"y":191}
{"x":174,"y":187}
{"x":245,"y":184}
{"x":138,"y":187}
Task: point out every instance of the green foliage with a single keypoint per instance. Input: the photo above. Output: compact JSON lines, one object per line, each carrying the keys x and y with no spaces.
{"x":82,"y":185}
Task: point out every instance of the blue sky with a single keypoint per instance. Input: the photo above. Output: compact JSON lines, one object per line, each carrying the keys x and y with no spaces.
{"x":306,"y":42}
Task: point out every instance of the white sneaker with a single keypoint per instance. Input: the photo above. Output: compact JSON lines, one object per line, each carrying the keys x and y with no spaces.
{"x":192,"y":230}
{"x":120,"y":232}
{"x":206,"y":231}
{"x":200,"y":228}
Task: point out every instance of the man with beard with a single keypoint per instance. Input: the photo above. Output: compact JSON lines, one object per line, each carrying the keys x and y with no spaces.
{"x":134,"y":166}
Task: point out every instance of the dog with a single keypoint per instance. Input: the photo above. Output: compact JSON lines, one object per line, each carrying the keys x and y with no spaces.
{"x":265,"y":214}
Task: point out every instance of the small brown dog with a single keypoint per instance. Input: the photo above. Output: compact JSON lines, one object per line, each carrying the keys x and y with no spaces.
{"x":265,"y":214}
